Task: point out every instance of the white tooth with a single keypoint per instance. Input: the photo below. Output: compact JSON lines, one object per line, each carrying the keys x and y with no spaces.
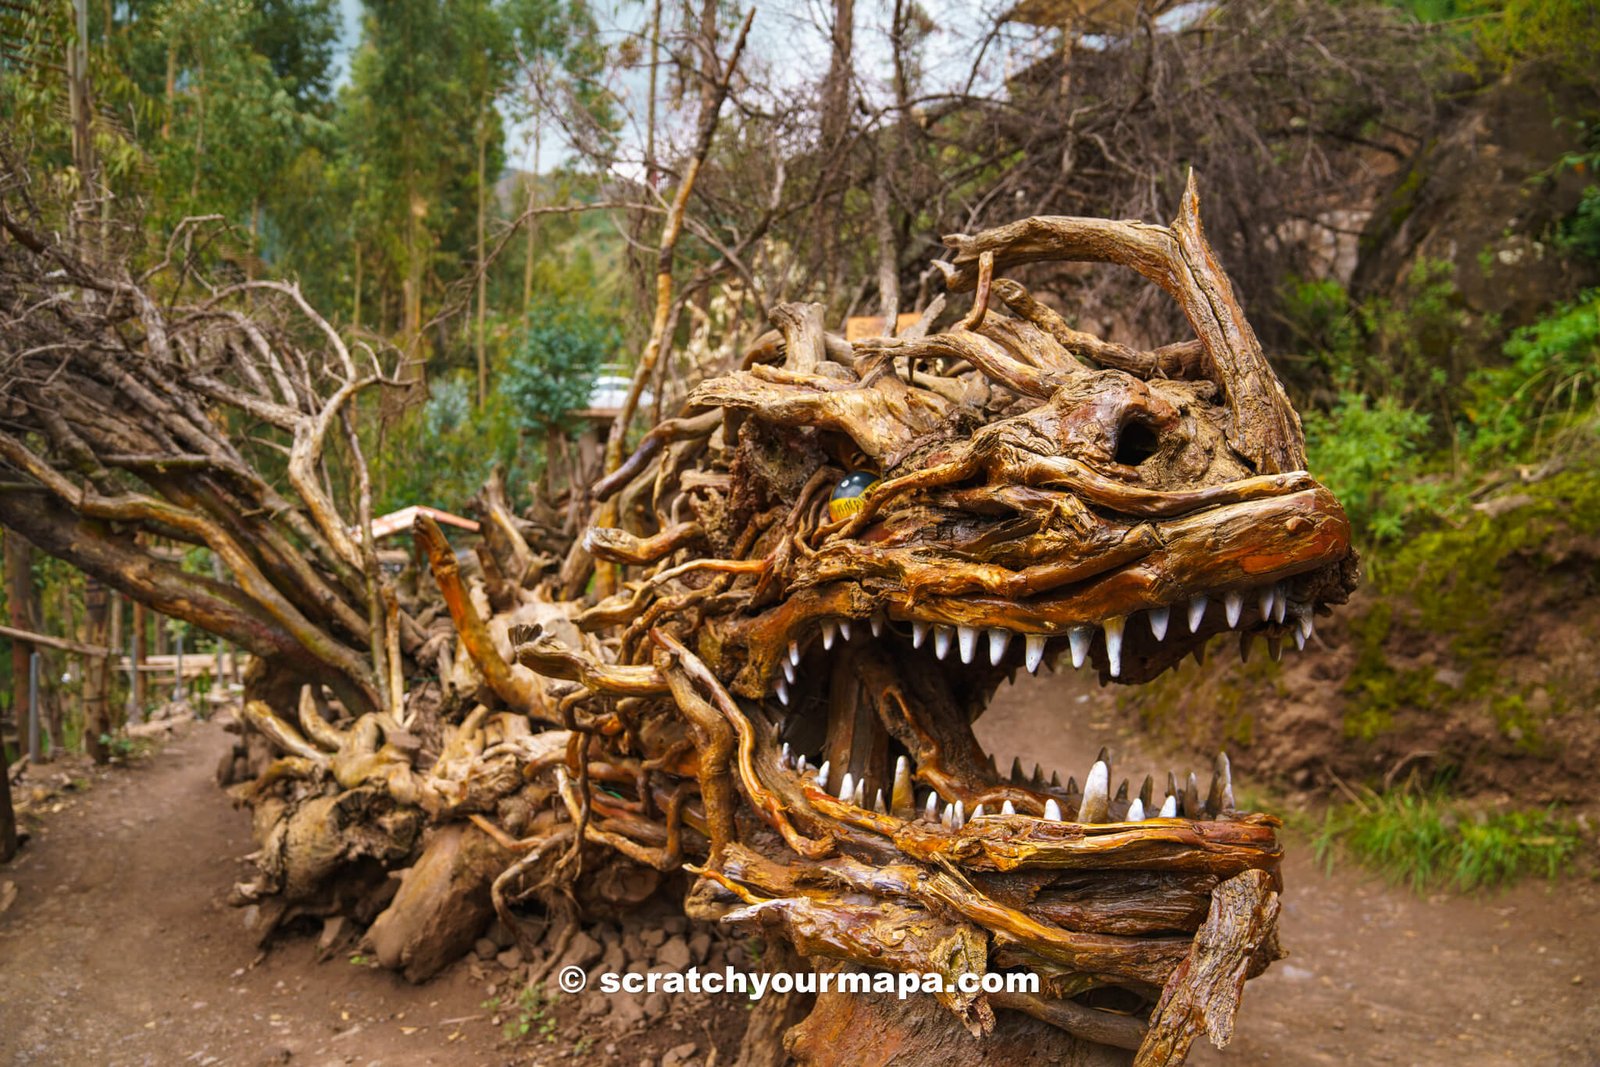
{"x":783,"y":692}
{"x":1135,"y":811}
{"x":800,"y":765}
{"x":861,"y":792}
{"x":1114,"y":645}
{"x":1080,"y":636}
{"x":1035,"y":652}
{"x":941,"y":640}
{"x":844,"y":629}
{"x":877,"y":623}
{"x":1269,"y":595}
{"x":1096,"y":793}
{"x":1158,"y":622}
{"x":794,"y":653}
{"x":1282,"y":608}
{"x":1300,"y":640}
{"x":930,"y":810}
{"x":967,"y":639}
{"x":822,"y":774}
{"x":977,"y":812}
{"x":1233,"y":603}
{"x":901,"y":796}
{"x":947,"y":815}
{"x":919,"y":634}
{"x":788,"y":671}
{"x":999,"y":641}
{"x":1169,"y":808}
{"x":783,"y":758}
{"x":847,"y":788}
{"x":1302,"y":618}
{"x":959,"y":819}
{"x":1008,"y":808}
{"x":829,"y":632}
{"x":1197,"y":611}
{"x":877,"y":804}
{"x":1052,"y":810}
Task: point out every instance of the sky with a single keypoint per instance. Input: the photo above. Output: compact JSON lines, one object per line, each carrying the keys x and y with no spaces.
{"x":789,"y":39}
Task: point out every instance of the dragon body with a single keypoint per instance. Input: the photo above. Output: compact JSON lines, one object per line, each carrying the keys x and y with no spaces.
{"x":815,"y":578}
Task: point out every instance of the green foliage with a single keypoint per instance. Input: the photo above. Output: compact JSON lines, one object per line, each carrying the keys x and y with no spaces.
{"x":1427,"y":842}
{"x":1370,"y":455}
{"x":1564,"y":33}
{"x":440,"y":453}
{"x":1549,"y":381}
{"x":1448,"y":580}
{"x":551,"y":373}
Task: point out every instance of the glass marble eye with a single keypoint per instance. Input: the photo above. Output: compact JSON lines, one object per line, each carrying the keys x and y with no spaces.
{"x":849,"y":496}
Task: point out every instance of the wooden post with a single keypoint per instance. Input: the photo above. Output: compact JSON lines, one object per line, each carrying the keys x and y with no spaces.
{"x":35,"y":754}
{"x":136,"y":655}
{"x":96,"y":673}
{"x":19,"y":605}
{"x":8,"y":815}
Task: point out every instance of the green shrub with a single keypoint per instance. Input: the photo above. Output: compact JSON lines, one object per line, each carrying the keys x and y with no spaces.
{"x":1426,"y":842}
{"x":1370,"y":455}
{"x":1548,"y":382}
{"x":553,"y":369}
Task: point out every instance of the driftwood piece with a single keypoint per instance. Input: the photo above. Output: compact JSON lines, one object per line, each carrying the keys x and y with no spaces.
{"x":1237,"y":941}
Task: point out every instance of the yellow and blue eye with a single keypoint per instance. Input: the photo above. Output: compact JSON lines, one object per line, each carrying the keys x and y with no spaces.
{"x":850,"y":495}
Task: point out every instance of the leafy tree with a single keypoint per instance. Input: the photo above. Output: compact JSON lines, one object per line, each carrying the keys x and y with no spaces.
{"x":553,"y":370}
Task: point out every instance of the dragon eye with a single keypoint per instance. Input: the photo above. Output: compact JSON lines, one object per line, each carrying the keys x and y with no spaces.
{"x":849,"y":496}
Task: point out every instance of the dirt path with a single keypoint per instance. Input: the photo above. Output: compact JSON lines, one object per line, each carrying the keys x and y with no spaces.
{"x":118,"y":950}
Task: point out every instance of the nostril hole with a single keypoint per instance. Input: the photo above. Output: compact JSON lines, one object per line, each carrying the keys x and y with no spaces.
{"x":1135,"y":444}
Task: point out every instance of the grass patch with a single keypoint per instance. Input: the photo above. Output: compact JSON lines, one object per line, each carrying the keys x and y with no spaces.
{"x":1425,"y":841}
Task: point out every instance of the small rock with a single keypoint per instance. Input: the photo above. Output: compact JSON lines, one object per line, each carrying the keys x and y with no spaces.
{"x":485,"y":948}
{"x":626,"y":1012}
{"x":674,"y":954}
{"x":677,"y":1054}
{"x":510,"y":959}
{"x":700,"y":946}
{"x":612,"y":961}
{"x":498,"y":933}
{"x":655,"y":1005}
{"x":632,"y":947}
{"x":675,"y":924}
{"x":583,"y":951}
{"x":653,"y":937}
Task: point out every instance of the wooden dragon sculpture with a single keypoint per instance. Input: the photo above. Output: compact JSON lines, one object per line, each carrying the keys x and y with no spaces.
{"x":822,"y":570}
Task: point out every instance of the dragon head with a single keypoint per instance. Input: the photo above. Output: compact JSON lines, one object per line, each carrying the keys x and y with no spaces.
{"x":849,"y":546}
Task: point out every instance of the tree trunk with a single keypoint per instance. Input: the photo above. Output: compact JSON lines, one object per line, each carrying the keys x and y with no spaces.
{"x":96,"y":673}
{"x":483,"y":281}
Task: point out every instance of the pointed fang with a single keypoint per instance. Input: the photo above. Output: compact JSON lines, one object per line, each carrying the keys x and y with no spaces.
{"x":1197,"y":612}
{"x":1034,"y":652}
{"x":967,"y":638}
{"x":1096,"y":794}
{"x":999,"y":641}
{"x":1052,"y":810}
{"x":1158,"y":622}
{"x":1114,"y":629}
{"x":1233,"y":604}
{"x":941,"y":640}
{"x":1080,"y":636}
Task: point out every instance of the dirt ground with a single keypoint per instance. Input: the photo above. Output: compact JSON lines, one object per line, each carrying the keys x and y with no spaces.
{"x":115,"y":948}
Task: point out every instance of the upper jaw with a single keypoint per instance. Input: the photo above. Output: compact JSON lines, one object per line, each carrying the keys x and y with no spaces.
{"x":1264,"y":565}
